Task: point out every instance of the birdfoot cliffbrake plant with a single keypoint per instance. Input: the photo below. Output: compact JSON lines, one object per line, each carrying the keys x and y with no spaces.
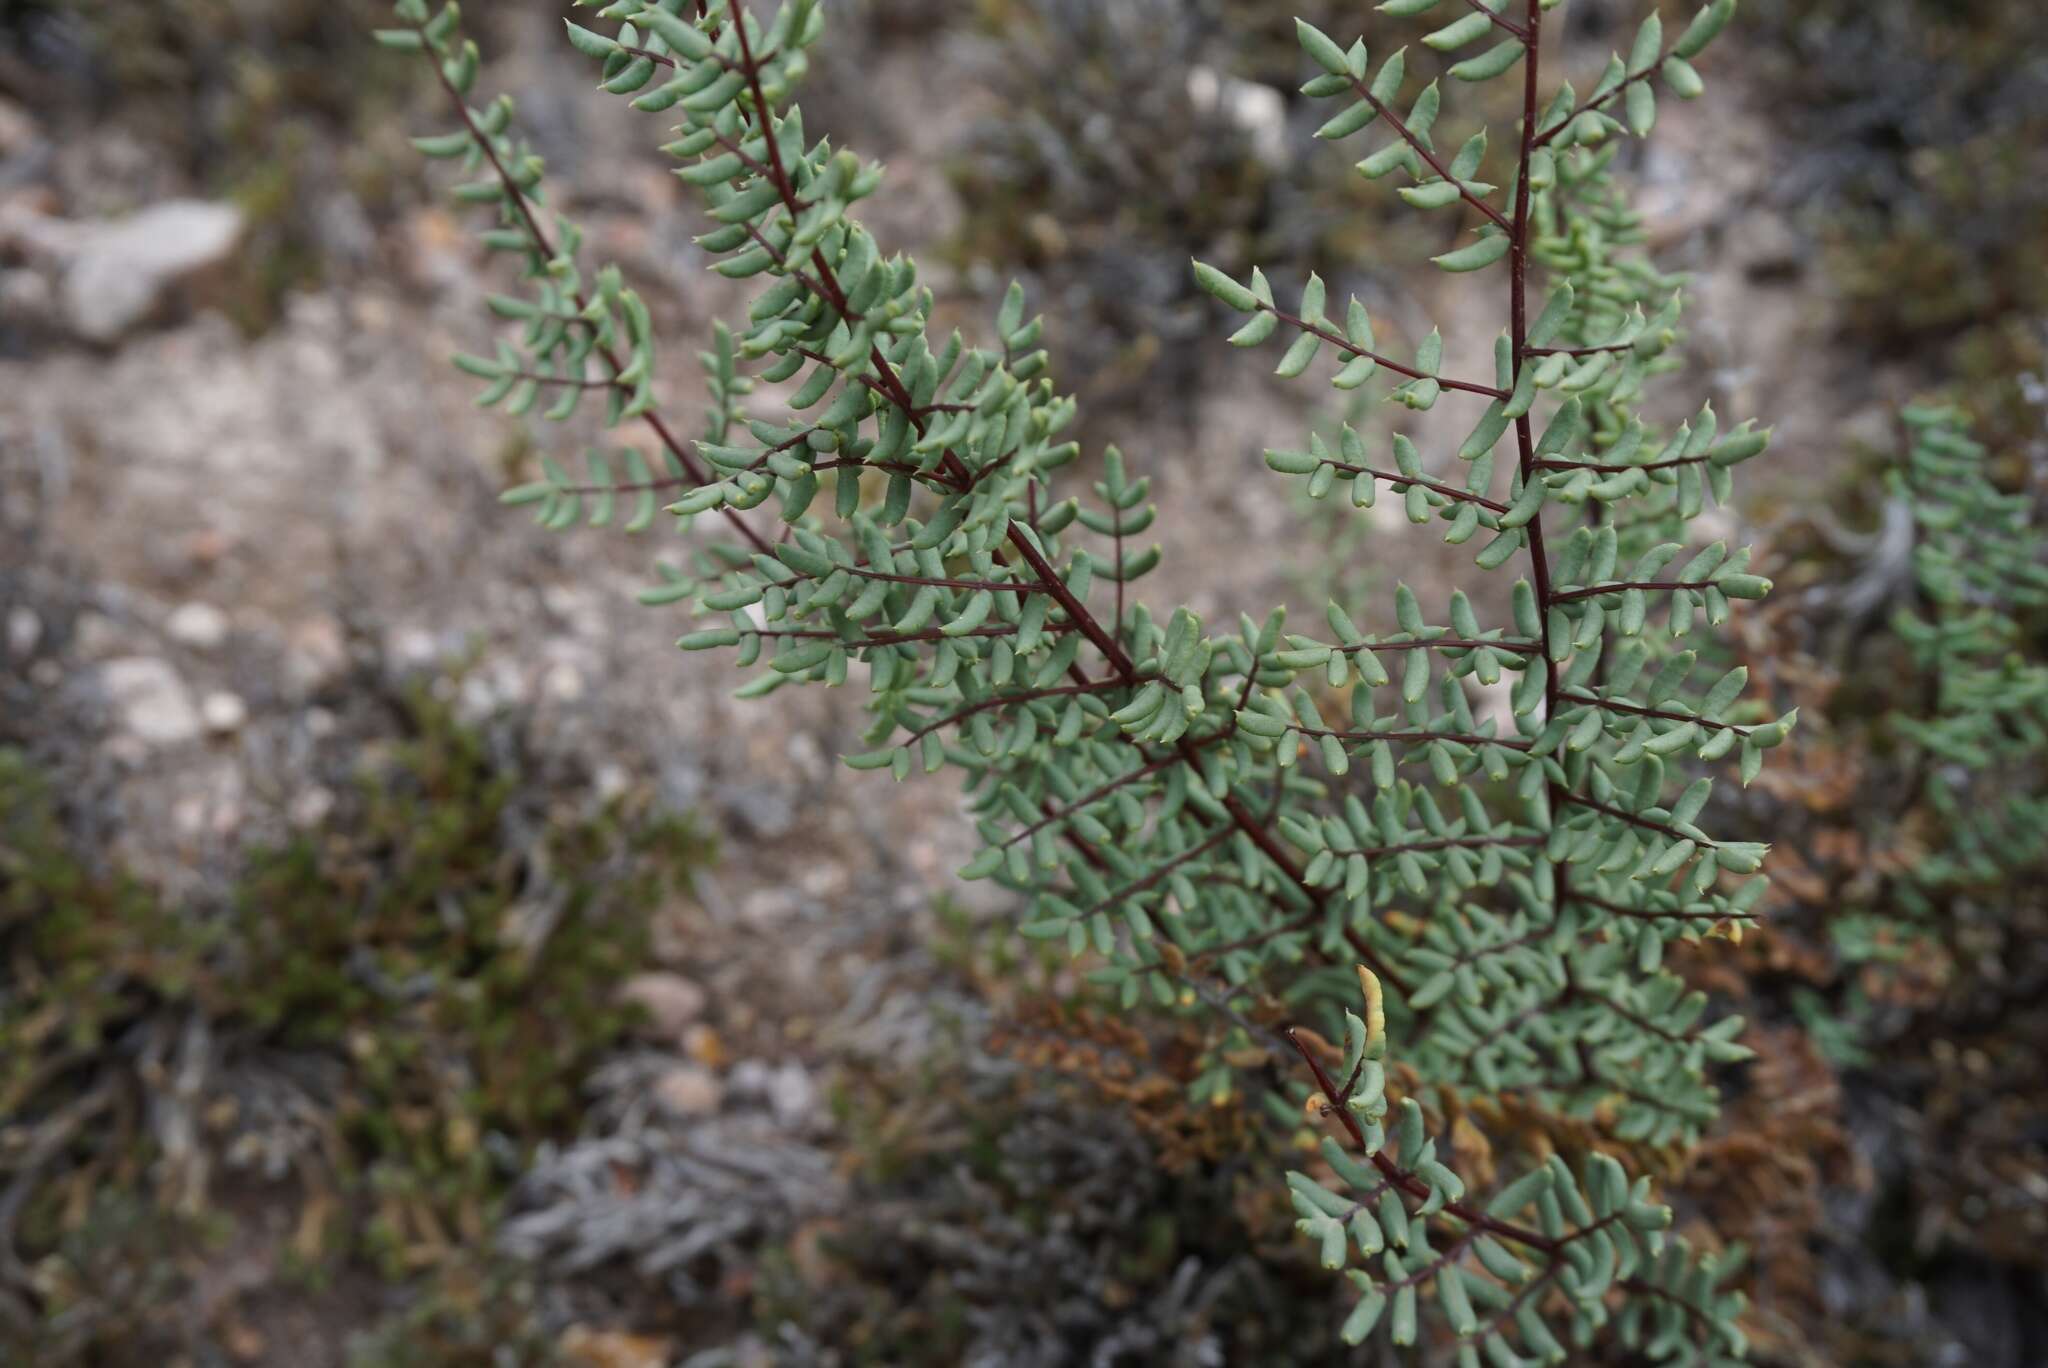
{"x":1979,"y":572}
{"x":1499,"y":822}
{"x":1960,"y":754}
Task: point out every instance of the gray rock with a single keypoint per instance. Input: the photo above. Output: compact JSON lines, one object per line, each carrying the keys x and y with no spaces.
{"x":759,"y":811}
{"x":1767,"y":244}
{"x":122,"y":270}
{"x":680,"y":784}
{"x":150,"y":699}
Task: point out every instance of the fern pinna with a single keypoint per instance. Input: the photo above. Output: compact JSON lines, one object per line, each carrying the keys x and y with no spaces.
{"x":1225,"y":820}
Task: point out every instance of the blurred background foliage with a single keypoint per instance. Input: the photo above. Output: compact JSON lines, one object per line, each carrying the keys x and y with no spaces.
{"x":383,"y":1017}
{"x":353,"y":1052}
{"x":1915,"y":134}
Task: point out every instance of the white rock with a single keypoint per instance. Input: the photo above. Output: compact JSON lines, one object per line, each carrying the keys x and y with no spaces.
{"x":670,"y":1000}
{"x":411,"y":648}
{"x":122,"y":269}
{"x":17,"y":130}
{"x":27,"y":298}
{"x":151,"y":700}
{"x":198,"y":625}
{"x":786,"y":1087}
{"x":310,"y":807}
{"x":475,"y":700}
{"x":223,"y":712}
{"x":491,"y":686}
{"x":689,"y":1090}
{"x":791,"y":1094}
{"x":805,"y":752}
{"x":315,"y":654}
{"x":24,"y":630}
{"x":824,"y":879}
{"x":95,"y":635}
{"x":128,"y":752}
{"x":563,"y":682}
{"x":611,"y":780}
{"x":768,"y":906}
{"x":189,"y":814}
{"x":1259,"y":111}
